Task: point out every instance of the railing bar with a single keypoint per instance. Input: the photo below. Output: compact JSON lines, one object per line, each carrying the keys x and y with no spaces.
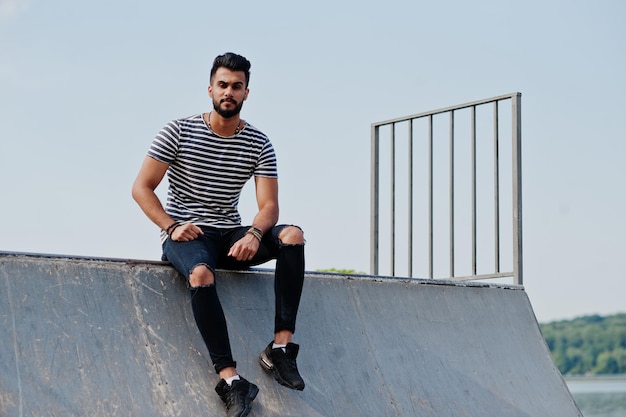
{"x":393,"y":199}
{"x":484,"y":276}
{"x":451,"y":193}
{"x":517,"y":190}
{"x":496,"y":185}
{"x":410,"y":220}
{"x":447,"y":109}
{"x":374,"y":198}
{"x":430,"y":198}
{"x":473,"y":156}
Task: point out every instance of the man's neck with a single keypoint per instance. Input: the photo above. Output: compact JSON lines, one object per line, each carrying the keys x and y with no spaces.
{"x":221,"y":125}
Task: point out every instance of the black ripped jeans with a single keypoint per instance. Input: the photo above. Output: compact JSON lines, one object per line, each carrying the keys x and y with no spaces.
{"x":211,"y":250}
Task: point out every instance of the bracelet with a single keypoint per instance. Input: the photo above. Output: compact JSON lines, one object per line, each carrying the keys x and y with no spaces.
{"x":173,"y":228}
{"x":169,"y":229}
{"x":256,"y":232}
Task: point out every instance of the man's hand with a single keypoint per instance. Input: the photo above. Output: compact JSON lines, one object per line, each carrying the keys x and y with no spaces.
{"x":186,"y":232}
{"x":245,"y":248}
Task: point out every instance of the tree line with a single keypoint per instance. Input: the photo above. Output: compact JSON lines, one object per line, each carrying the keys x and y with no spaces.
{"x":589,"y":345}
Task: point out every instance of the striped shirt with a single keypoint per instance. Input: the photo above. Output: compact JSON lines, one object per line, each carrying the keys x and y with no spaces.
{"x":207,"y":172}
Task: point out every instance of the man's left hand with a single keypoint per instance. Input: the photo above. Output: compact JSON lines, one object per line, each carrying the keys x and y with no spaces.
{"x":245,"y":248}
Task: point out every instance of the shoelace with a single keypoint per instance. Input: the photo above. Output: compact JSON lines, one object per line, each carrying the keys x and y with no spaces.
{"x":232,"y":397}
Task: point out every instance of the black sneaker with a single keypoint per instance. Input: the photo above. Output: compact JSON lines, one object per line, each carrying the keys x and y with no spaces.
{"x":283,"y":365}
{"x":237,"y":397}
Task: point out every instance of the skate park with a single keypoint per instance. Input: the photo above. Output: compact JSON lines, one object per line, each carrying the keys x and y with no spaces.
{"x":116,"y":337}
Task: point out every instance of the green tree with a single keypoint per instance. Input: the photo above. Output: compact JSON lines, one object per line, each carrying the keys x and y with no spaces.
{"x":589,"y":344}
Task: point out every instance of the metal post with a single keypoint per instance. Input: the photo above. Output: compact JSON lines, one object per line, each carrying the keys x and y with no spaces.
{"x":473,"y":156}
{"x":430,"y":196}
{"x":410,"y":226}
{"x":496,"y":186}
{"x":517,"y":190}
{"x":451,"y":197}
{"x":393,"y":200}
{"x":374,"y":206}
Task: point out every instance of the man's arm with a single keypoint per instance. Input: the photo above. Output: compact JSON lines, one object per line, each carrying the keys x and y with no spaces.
{"x":267,"y":216}
{"x":267,"y":201}
{"x":150,"y":176}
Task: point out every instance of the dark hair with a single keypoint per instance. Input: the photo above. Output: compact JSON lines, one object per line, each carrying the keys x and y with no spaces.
{"x":232,"y":62}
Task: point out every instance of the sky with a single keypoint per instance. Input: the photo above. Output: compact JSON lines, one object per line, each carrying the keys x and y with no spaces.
{"x":85,"y":86}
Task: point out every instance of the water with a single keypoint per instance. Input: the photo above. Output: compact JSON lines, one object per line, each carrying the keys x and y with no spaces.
{"x":599,"y":396}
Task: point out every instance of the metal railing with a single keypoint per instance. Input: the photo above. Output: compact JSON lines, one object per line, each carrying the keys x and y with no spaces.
{"x":473,"y":203}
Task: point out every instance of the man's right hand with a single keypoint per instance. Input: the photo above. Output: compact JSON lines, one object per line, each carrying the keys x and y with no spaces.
{"x":186,"y":232}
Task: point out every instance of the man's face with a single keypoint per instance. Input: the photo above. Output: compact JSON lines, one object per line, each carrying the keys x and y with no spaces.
{"x":228,"y":91}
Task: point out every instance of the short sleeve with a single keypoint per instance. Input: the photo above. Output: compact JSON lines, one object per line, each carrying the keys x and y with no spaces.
{"x":164,"y":147}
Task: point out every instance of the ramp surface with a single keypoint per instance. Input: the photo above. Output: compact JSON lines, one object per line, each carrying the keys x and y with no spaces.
{"x":94,"y":337}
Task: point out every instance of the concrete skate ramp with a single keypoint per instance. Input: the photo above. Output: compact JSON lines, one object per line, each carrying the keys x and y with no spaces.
{"x":95,"y":337}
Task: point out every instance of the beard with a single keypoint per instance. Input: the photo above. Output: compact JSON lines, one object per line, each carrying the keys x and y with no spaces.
{"x":227,"y":113}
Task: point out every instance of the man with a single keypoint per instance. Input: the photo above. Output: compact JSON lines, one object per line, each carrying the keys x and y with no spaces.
{"x":208,"y":158}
